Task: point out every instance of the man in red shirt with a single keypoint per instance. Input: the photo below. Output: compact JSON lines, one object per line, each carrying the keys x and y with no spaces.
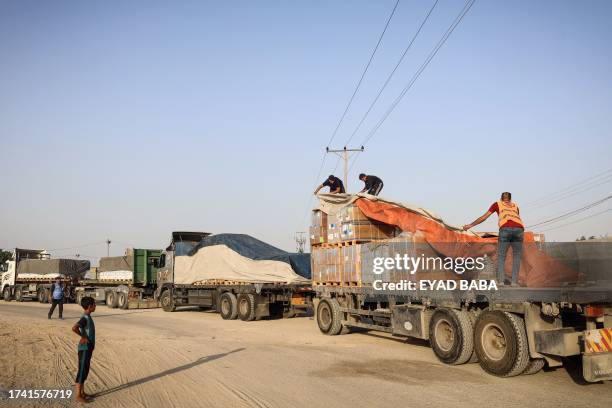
{"x":511,"y":230}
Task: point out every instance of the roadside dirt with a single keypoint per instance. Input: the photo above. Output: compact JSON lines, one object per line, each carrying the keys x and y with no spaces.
{"x":192,"y":358}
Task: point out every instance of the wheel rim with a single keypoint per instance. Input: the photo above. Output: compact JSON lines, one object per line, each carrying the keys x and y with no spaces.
{"x":225,"y":306}
{"x":444,"y":334}
{"x":165,"y":300}
{"x":493,"y":342}
{"x":244,"y":306}
{"x":325,"y":315}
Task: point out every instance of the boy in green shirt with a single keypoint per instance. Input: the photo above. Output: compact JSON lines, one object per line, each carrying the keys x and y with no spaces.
{"x":86,"y":329}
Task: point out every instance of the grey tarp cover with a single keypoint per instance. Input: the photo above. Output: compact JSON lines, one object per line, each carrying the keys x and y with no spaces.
{"x":219,"y":262}
{"x":117,"y":263}
{"x":255,"y":249}
{"x":68,"y":267}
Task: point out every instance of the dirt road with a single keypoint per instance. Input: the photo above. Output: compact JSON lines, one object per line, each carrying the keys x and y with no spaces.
{"x":149,"y":358}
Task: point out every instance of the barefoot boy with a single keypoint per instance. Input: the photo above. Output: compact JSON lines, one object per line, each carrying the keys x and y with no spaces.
{"x":86,"y":329}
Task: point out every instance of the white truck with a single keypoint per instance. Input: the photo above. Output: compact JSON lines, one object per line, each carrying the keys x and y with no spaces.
{"x":29,"y":274}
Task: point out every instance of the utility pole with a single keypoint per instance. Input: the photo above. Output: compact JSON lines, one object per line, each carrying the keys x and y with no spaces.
{"x":345,"y":154}
{"x":300,"y":241}
{"x":108,"y":242}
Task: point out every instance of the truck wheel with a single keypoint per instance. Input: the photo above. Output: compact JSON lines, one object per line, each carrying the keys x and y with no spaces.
{"x":246,"y":307}
{"x":228,"y":306}
{"x":6,"y":294}
{"x":47,"y":296}
{"x":39,"y":295}
{"x":166,"y":301}
{"x":501,"y":343}
{"x":122,"y":300}
{"x":111,"y":299}
{"x":329,"y":317}
{"x":451,"y":336}
{"x":79,"y":297}
{"x":534,"y":366}
{"x":19,"y":294}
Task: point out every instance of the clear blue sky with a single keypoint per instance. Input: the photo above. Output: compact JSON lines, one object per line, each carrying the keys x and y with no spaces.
{"x":130,"y":119}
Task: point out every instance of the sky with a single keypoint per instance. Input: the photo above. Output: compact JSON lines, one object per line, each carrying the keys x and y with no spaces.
{"x":130,"y":119}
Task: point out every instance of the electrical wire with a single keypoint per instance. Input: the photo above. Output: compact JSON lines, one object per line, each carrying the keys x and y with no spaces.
{"x":348,"y":105}
{"x":430,"y":57}
{"x":577,"y":221}
{"x":571,"y":213}
{"x":584,"y":185}
{"x":399,"y":62}
{"x":77,"y":246}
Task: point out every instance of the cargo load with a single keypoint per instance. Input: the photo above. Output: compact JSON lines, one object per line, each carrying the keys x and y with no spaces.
{"x":251,"y":248}
{"x":52,"y":267}
{"x":219,"y":263}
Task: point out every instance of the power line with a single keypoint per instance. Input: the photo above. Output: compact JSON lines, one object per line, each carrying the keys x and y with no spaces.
{"x":602,"y":178}
{"x":348,"y":105}
{"x":571,"y":213}
{"x":77,"y":246}
{"x":365,"y":115}
{"x":572,"y":193}
{"x":577,"y":221}
{"x":449,"y":31}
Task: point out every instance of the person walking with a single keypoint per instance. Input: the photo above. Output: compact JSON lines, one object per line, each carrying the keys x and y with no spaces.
{"x":373,"y":184}
{"x":511,"y":229}
{"x":57,"y":298}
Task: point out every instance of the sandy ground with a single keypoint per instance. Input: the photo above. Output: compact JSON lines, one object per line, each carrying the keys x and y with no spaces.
{"x":192,"y":358}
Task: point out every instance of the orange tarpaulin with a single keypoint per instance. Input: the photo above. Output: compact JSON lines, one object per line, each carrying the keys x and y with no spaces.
{"x":537,"y":268}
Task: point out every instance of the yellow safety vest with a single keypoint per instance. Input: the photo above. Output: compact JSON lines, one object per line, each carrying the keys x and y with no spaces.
{"x":508,"y":212}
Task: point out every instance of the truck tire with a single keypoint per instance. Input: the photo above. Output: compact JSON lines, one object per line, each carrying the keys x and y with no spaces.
{"x":534,"y":366}
{"x":329,"y":317}
{"x":501,"y":343}
{"x":78,"y":298}
{"x":451,"y":336}
{"x":47,"y":296}
{"x":6,"y":294}
{"x":122,"y":300}
{"x":165,"y":300}
{"x":246,"y":307}
{"x":228,"y":306}
{"x":19,"y":294}
{"x":111,"y":299}
{"x":39,"y":295}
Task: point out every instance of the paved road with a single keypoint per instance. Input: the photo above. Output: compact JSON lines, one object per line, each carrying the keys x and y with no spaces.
{"x":193,"y":358}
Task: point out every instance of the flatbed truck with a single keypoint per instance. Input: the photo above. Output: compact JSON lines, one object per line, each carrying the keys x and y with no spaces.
{"x":132,"y":288}
{"x":245,"y":300}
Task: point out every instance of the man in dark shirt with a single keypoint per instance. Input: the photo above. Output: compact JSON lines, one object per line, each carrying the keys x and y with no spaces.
{"x":373,"y":184}
{"x":334,"y":183}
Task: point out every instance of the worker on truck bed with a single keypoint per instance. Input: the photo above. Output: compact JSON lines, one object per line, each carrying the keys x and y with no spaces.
{"x":511,"y":230}
{"x":373,"y":184}
{"x":334,"y":183}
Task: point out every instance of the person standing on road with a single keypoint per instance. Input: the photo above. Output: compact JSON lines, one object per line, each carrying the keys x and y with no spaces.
{"x":86,"y":329}
{"x":511,"y":230}
{"x":334,"y":183}
{"x":373,"y":184}
{"x":57,"y":298}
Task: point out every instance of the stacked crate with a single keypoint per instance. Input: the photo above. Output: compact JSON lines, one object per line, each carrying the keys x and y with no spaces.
{"x":336,"y":258}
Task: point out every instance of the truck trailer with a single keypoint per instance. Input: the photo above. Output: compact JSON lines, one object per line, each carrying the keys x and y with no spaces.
{"x":125,"y":282}
{"x":560,"y":307}
{"x":29,"y":274}
{"x":191,"y":277}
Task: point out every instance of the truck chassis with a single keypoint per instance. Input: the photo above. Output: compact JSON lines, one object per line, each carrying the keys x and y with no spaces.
{"x":510,"y":331}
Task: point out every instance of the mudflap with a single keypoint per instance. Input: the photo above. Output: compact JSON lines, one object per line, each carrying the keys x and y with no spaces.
{"x":597,"y":367}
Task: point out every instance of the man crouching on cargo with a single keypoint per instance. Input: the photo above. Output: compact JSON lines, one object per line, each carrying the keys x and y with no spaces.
{"x":86,"y":329}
